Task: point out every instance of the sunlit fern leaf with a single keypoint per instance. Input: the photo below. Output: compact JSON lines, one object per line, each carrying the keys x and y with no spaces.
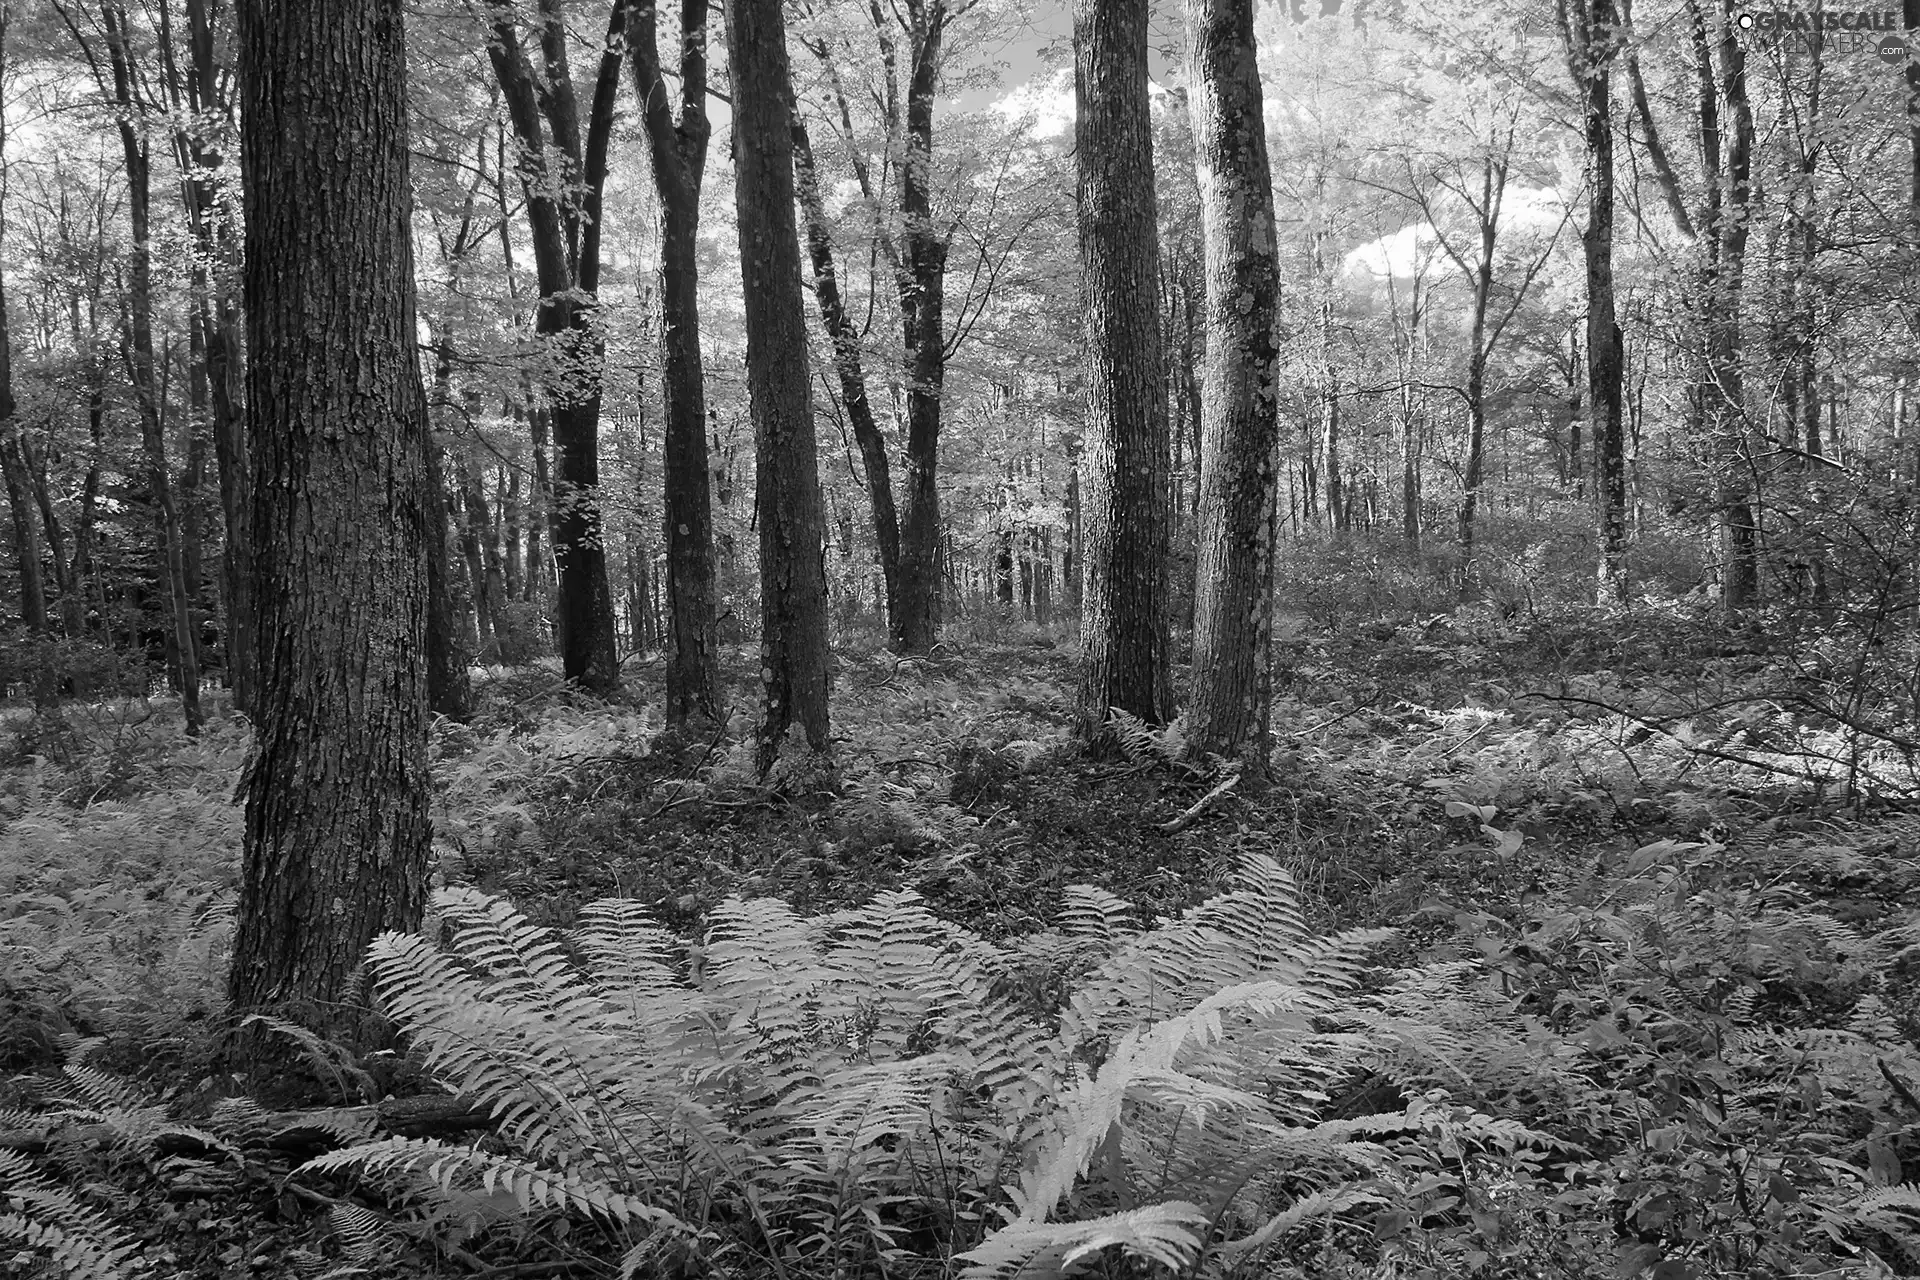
{"x":626,"y":949}
{"x":1253,"y":930}
{"x":1088,"y":911}
{"x":517,"y":957}
{"x":1169,"y":1234}
{"x":1318,"y":1205}
{"x":534,"y":1185}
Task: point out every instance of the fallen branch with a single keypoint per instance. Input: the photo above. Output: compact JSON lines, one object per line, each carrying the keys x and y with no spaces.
{"x":1200,"y":806}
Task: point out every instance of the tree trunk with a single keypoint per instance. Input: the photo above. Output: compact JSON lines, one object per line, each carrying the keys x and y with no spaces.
{"x":449,"y":687}
{"x":473,"y":531}
{"x":565,"y":234}
{"x":1233,"y":601}
{"x":26,"y":541}
{"x":922,"y":310}
{"x":1593,"y":37}
{"x":1740,"y":574}
{"x":679,"y":151}
{"x":141,"y":371}
{"x":215,"y":315}
{"x":337,"y":787}
{"x":793,"y":584}
{"x":1127,"y":648}
{"x":853,"y":380}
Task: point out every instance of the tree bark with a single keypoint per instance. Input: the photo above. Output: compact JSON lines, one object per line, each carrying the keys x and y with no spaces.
{"x":922,"y":310}
{"x":140,"y":366}
{"x":1231,"y":700}
{"x":565,"y":235}
{"x":1127,"y":650}
{"x":1592,"y":32}
{"x":853,"y":380}
{"x":793,"y":583}
{"x":337,"y":828}
{"x":679,"y":151}
{"x":449,"y":687}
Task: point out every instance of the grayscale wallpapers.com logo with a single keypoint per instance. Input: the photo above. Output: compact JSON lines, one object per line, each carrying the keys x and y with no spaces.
{"x":1838,"y":30}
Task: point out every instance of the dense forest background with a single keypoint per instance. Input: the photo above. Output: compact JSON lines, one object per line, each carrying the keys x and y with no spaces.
{"x":1430,"y":190}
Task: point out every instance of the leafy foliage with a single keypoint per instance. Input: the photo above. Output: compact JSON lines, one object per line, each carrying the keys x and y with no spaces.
{"x":853,"y":1086}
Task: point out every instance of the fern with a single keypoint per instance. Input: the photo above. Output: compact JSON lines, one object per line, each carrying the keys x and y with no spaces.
{"x":58,"y":1231}
{"x":801,"y":1078}
{"x":1168,"y":1234}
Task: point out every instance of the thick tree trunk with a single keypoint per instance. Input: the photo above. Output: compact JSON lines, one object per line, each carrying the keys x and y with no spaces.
{"x":1233,"y":596}
{"x":793,"y":584}
{"x":337,"y":788}
{"x":1125,"y":636}
{"x":679,"y":151}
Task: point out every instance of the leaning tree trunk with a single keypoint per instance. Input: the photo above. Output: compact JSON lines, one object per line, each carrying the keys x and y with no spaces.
{"x":1240,"y":419}
{"x":845,"y":337}
{"x":793,"y":579}
{"x":337,"y":788}
{"x":1125,"y":634}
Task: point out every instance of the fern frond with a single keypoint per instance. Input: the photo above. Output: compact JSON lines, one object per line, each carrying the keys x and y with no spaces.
{"x":364,"y":1234}
{"x":76,"y":1240}
{"x":1169,"y":1234}
{"x":1319,"y":1204}
{"x":1087,"y":911}
{"x":535,"y":1186}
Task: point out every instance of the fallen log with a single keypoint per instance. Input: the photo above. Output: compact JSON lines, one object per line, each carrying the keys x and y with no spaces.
{"x":293,"y":1133}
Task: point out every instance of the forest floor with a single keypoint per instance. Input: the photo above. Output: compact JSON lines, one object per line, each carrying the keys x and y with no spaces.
{"x":1489,"y":788}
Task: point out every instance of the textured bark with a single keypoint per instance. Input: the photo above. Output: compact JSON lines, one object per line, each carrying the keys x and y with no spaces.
{"x":793,"y":581}
{"x":853,"y":379}
{"x":1729,"y":225}
{"x":679,"y":151}
{"x":922,"y":309}
{"x":337,"y":827}
{"x":1591,"y":29}
{"x":1240,"y":419}
{"x":1127,"y":648}
{"x":26,"y":539}
{"x":137,"y":346}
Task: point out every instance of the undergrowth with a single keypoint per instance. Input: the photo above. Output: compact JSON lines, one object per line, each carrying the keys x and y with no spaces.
{"x":1653,"y":902}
